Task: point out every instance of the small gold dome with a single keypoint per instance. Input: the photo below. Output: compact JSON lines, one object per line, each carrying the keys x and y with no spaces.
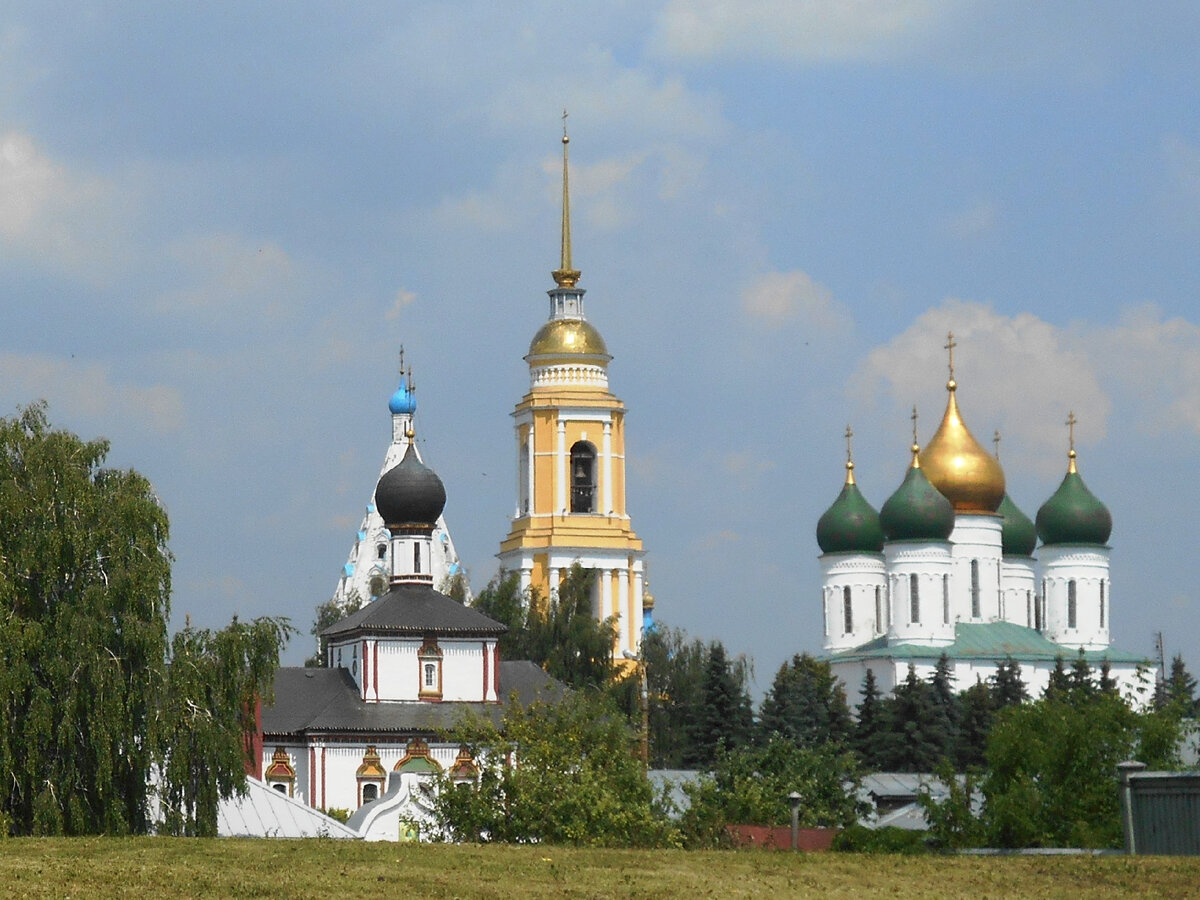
{"x":568,"y":337}
{"x":966,"y":474}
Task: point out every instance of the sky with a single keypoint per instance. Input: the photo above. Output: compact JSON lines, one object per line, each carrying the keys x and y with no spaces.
{"x":220,"y":222}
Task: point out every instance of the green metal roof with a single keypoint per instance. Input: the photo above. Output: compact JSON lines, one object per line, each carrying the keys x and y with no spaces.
{"x":992,"y":641}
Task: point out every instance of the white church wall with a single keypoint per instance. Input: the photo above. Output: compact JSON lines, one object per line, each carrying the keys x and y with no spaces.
{"x":1075,"y":585}
{"x":918,"y":579}
{"x":864,"y":577}
{"x":975,"y":547}
{"x":1018,"y":590}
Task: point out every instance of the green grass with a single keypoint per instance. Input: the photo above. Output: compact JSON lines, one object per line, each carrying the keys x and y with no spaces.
{"x":165,"y":867}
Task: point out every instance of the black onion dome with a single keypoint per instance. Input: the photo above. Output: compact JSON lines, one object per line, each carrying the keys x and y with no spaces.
{"x":917,"y":511}
{"x":410,"y":493}
{"x":850,"y":525}
{"x":1018,"y":536}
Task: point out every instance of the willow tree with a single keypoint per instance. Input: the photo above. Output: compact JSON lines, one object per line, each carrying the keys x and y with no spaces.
{"x":85,"y":577}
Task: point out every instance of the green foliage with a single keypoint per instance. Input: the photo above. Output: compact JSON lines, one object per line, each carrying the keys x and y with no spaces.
{"x":725,"y":718}
{"x":674,"y":671}
{"x":751,"y":785}
{"x":1009,"y":686}
{"x":978,"y":708}
{"x":860,"y":839}
{"x":806,"y":704}
{"x":88,"y":703}
{"x":555,"y":773}
{"x":868,"y":730}
{"x":456,"y":586}
{"x":339,"y":814}
{"x":561,"y":634}
{"x":917,"y":733}
{"x":328,"y":613}
{"x":1052,"y":779}
{"x":953,"y":823}
{"x":214,"y":681}
{"x":1180,"y":689}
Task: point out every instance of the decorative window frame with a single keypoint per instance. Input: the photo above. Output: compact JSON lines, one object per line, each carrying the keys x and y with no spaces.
{"x":464,"y":770}
{"x":417,"y":760}
{"x":281,"y":772}
{"x":371,"y":772}
{"x":430,"y":654}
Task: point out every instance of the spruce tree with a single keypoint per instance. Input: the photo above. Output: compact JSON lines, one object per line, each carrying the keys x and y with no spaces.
{"x":1082,"y":685}
{"x":978,"y":704}
{"x":869,"y":727}
{"x":1181,"y":687}
{"x":1059,"y":685}
{"x":725,"y":718}
{"x":806,"y":704}
{"x":916,"y":737}
{"x":1108,"y":684}
{"x":1010,"y":689}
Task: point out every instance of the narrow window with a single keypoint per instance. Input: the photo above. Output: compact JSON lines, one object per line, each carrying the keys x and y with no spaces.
{"x":878,"y":610}
{"x":847,"y":612}
{"x":975,"y":611}
{"x":1037,"y":609}
{"x":1071,"y":603}
{"x":914,"y":600}
{"x":430,"y":675}
{"x":945,"y":599}
{"x":825,"y":612}
{"x":380,"y":551}
{"x":417,"y":558}
{"x":583,"y":478}
{"x":1028,"y":609}
{"x":1101,"y":603}
{"x":370,"y":792}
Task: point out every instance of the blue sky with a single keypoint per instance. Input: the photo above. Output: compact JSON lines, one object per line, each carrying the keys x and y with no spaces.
{"x":219,"y":222}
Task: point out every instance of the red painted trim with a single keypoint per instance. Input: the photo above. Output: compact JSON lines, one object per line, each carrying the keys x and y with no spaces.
{"x":323,"y":806}
{"x":496,"y":670}
{"x":365,"y":677}
{"x":375,"y":667}
{"x":312,"y":776}
{"x":485,"y":671}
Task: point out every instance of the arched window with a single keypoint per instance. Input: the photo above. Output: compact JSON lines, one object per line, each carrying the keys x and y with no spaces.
{"x":381,"y":551}
{"x":370,"y":792}
{"x":1071,"y":598}
{"x":1028,"y":609}
{"x":945,"y":599}
{"x":847,"y":612}
{"x":1102,"y":603}
{"x":914,"y":599}
{"x":583,"y":477}
{"x":878,"y":609}
{"x":975,"y":610}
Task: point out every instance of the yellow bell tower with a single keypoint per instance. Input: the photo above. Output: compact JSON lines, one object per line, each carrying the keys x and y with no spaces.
{"x":570,"y":433}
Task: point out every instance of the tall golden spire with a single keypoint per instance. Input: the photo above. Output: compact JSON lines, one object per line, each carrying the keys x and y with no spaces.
{"x":564,"y":275}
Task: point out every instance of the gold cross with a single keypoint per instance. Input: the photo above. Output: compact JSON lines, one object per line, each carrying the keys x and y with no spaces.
{"x":401,"y":360}
{"x":849,"y":451}
{"x":996,"y":442}
{"x":950,"y":345}
{"x":1071,"y":421}
{"x":914,"y":421}
{"x":564,"y":118}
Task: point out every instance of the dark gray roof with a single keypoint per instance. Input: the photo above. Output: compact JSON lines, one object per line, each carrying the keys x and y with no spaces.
{"x":415,"y":609}
{"x":327,"y":700}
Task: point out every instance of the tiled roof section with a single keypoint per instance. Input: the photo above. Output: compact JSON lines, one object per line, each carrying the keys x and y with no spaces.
{"x":991,"y":641}
{"x":327,"y":700}
{"x":415,"y":609}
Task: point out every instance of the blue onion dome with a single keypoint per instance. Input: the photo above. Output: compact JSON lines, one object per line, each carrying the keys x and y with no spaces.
{"x":1018,"y":536}
{"x":851,"y":524}
{"x":403,"y":402}
{"x":1073,"y":515}
{"x":410,"y":493}
{"x":917,"y":511}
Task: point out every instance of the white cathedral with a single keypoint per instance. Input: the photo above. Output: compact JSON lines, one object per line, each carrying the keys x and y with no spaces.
{"x":949,"y":565}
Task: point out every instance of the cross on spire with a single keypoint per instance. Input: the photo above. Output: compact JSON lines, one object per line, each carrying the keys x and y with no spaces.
{"x":849,"y":446}
{"x":1071,"y":422}
{"x":950,"y":345}
{"x":564,"y":275}
{"x":996,"y":442}
{"x":914,"y":421}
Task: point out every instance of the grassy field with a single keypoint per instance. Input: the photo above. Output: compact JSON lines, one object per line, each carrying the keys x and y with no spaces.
{"x":162,"y":867}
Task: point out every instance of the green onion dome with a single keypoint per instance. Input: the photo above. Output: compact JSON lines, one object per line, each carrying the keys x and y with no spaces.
{"x":1073,"y":515}
{"x":917,"y":511}
{"x":1018,"y":535}
{"x":851,"y":524}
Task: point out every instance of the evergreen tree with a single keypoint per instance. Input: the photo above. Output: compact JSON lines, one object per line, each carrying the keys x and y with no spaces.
{"x":978,"y":705}
{"x":1181,"y":687}
{"x":674,"y":672}
{"x":805,"y":704}
{"x":1009,"y":687}
{"x":725,"y":719}
{"x":868,"y":730}
{"x":944,"y":697}
{"x":1059,"y":685}
{"x":1108,"y":684}
{"x":1082,"y":685}
{"x":917,"y":736}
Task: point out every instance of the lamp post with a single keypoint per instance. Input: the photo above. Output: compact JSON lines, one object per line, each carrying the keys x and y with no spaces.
{"x":794,"y":798}
{"x":645,"y":704}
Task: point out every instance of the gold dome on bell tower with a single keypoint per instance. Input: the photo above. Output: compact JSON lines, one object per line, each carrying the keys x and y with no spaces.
{"x":957,"y":465}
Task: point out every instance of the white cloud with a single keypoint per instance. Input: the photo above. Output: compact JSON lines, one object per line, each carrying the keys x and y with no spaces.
{"x":1018,"y":374}
{"x":403,"y":299}
{"x":600,"y":184}
{"x":799,"y":30}
{"x":52,"y":215}
{"x":779,"y":297}
{"x":89,"y":392}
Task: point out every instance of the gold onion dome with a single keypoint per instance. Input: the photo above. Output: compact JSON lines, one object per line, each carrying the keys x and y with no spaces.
{"x":966,"y":474}
{"x":568,"y":337}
